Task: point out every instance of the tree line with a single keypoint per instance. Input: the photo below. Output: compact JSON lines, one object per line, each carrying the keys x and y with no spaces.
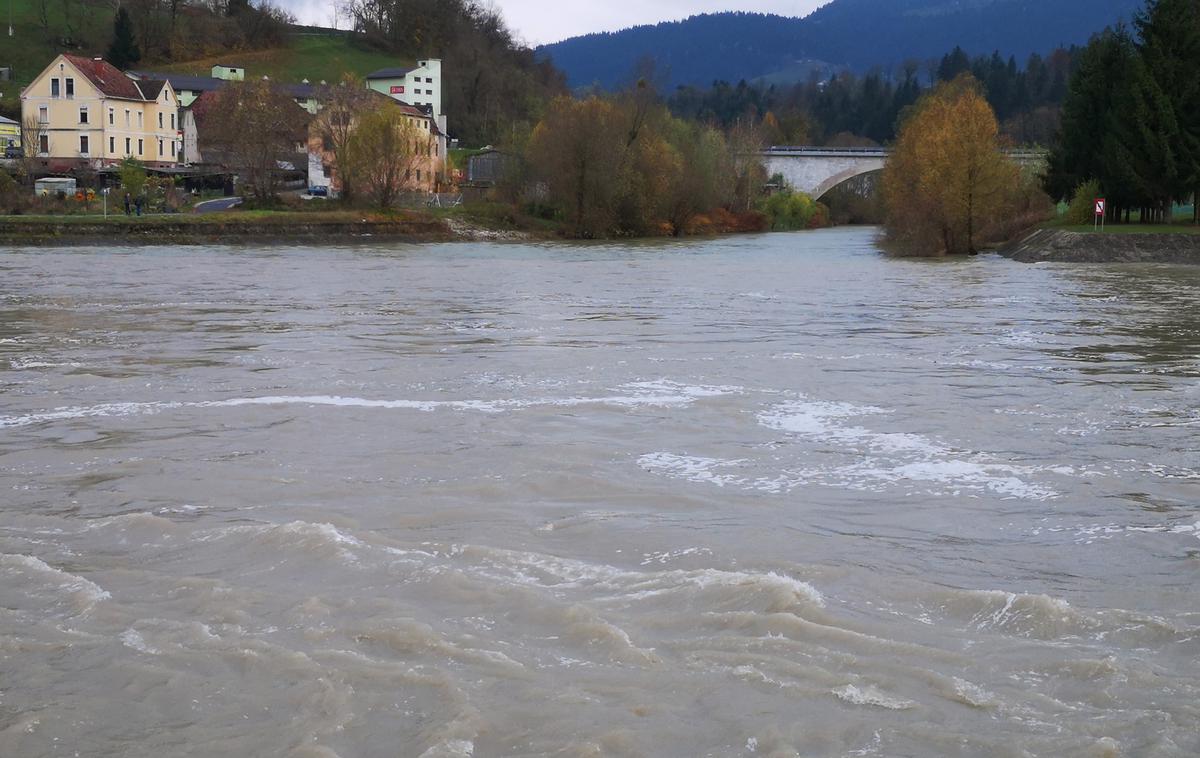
{"x":492,"y":83}
{"x":624,"y":166}
{"x":847,"y":109}
{"x":1131,"y":116}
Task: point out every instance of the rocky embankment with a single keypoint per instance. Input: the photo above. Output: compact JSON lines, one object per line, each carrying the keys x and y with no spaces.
{"x":1058,"y":245}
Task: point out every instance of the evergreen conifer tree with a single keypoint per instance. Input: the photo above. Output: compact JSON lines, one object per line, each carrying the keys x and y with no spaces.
{"x":124,"y":51}
{"x":1169,"y":32}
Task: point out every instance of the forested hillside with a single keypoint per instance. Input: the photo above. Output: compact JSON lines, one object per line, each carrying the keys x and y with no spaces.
{"x":859,"y":34}
{"x":493,"y":85}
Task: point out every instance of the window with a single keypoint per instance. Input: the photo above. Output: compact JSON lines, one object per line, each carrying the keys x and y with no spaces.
{"x":160,"y":122}
{"x":161,"y":152}
{"x":112,"y":145}
{"x":172,"y":120}
{"x":111,"y":117}
{"x":83,"y":117}
{"x":127,"y":146}
{"x":43,"y":115}
{"x":126,"y":119}
{"x":83,"y":144}
{"x":429,"y":79}
{"x":172,"y":148}
{"x":139,"y":144}
{"x":44,"y":144}
{"x":54,"y":88}
{"x":70,"y":88}
{"x":139,"y":119}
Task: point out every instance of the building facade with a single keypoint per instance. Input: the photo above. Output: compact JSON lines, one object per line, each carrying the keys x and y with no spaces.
{"x":420,"y":86}
{"x":10,"y":134}
{"x":88,"y":113}
{"x":427,"y":170}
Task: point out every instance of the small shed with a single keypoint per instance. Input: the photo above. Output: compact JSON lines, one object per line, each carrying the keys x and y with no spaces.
{"x":52,"y":185}
{"x":488,"y":167}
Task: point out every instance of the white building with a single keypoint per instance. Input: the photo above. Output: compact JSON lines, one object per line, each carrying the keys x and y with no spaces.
{"x":420,"y":86}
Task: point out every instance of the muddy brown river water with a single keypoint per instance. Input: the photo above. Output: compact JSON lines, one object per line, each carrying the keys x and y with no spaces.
{"x":757,"y":496}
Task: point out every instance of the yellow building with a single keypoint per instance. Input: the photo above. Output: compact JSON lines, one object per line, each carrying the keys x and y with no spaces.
{"x":10,"y":134}
{"x":90,"y":114}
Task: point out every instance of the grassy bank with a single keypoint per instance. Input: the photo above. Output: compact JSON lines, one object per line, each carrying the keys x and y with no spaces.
{"x":1177,"y":228}
{"x":250,"y":226}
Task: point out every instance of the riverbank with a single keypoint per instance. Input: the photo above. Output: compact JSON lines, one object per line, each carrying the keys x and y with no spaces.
{"x":479,"y":223}
{"x":1118,"y":245}
{"x":239,"y":226}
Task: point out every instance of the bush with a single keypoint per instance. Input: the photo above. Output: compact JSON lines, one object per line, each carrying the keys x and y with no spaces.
{"x":789,"y":210}
{"x":1082,"y":208}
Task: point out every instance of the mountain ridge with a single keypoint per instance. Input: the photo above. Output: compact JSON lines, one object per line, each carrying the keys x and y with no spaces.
{"x":855,"y":34}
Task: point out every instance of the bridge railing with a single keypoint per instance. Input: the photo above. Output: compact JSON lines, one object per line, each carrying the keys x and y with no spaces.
{"x":1018,"y":153}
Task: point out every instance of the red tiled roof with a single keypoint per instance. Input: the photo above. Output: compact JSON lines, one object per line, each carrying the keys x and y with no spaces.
{"x":106,"y":77}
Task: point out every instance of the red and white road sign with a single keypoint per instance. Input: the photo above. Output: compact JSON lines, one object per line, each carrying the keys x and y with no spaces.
{"x":1099,"y":206}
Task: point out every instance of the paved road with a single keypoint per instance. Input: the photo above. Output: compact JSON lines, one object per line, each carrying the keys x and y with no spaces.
{"x":220,"y":204}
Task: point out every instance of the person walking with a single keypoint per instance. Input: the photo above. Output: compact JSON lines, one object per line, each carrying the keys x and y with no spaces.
{"x":137,"y":204}
{"x":126,"y":203}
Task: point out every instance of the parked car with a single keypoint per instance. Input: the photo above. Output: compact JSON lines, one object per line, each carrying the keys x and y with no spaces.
{"x":318,"y":191}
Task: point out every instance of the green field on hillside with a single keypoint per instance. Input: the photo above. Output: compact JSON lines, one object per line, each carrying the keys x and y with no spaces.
{"x":311,"y":57}
{"x":33,"y":45}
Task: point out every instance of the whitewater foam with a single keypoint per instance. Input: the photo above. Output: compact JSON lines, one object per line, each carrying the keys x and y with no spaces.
{"x":870,"y":695}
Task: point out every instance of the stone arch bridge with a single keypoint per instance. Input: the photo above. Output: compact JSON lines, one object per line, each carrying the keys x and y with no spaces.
{"x":816,"y":170}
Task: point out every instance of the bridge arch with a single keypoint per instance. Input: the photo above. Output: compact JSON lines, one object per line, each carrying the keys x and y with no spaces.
{"x":816,"y":170}
{"x":842,"y":177}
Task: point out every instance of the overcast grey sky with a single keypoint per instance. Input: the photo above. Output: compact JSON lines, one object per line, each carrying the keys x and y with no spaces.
{"x":541,"y":21}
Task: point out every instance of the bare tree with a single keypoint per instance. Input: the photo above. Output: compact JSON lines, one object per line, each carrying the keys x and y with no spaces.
{"x":254,"y":128}
{"x":383,"y":151}
{"x":32,"y":131}
{"x":343,"y":104}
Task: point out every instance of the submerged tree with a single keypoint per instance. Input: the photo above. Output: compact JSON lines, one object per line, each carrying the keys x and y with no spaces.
{"x":946,"y":175}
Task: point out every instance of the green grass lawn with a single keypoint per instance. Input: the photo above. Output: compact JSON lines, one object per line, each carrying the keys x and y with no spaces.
{"x":309,"y":57}
{"x":1176,"y":228}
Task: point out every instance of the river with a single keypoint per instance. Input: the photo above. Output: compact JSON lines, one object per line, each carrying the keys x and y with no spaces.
{"x":756,"y":496}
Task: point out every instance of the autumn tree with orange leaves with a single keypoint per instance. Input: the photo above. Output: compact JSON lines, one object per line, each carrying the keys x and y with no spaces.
{"x":947,"y":177}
